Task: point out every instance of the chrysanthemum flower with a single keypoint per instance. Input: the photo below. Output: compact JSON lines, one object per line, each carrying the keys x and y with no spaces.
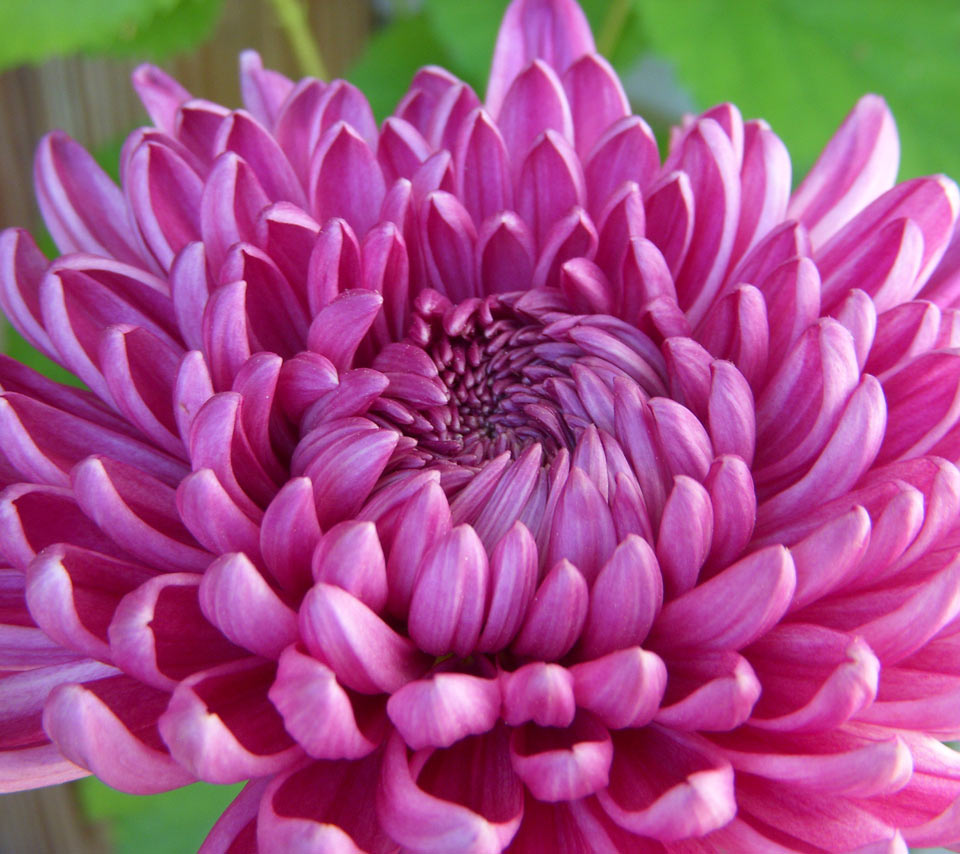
{"x":480,"y":483}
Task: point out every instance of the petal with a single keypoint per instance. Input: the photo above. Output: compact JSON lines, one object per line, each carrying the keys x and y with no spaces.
{"x":221,"y":727}
{"x":109,"y":726}
{"x":597,"y":100}
{"x":446,"y":609}
{"x":690,"y":794}
{"x":364,"y":652}
{"x":733,"y":608}
{"x":562,"y":764}
{"x":538,"y":692}
{"x":345,"y":179}
{"x":349,"y":555}
{"x":318,"y":712}
{"x":413,"y":805}
{"x":513,"y":580}
{"x":859,"y":163}
{"x":556,"y":615}
{"x":442,"y":709}
{"x":558,"y":33}
{"x":236,"y":598}
{"x":624,"y":600}
{"x":535,"y":102}
{"x":623,"y":689}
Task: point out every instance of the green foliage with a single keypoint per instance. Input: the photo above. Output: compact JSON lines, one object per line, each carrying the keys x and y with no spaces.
{"x":802,"y":64}
{"x":171,"y":822}
{"x":34,"y":30}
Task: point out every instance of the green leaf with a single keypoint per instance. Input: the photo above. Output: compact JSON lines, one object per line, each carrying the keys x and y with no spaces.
{"x":187,"y":25}
{"x":802,"y":64}
{"x":391,"y":58}
{"x":467,"y":29}
{"x":168,"y":823}
{"x":34,"y":30}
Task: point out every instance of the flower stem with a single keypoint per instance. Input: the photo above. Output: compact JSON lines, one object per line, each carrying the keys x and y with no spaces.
{"x":293,"y":21}
{"x":612,"y":27}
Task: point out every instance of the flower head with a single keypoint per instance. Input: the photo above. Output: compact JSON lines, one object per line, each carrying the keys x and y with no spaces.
{"x":478,"y":482}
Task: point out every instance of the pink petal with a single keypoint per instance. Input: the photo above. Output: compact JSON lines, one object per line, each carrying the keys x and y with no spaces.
{"x":345,"y":179}
{"x":597,"y":100}
{"x":106,"y":726}
{"x":349,"y":555}
{"x":264,"y":91}
{"x":513,"y":579}
{"x":236,"y":598}
{"x":161,"y":95}
{"x":627,"y":151}
{"x":364,"y":652}
{"x":317,"y":711}
{"x":623,"y":689}
{"x":538,"y":692}
{"x":444,"y":708}
{"x":733,"y":608}
{"x":413,"y":807}
{"x":562,"y":764}
{"x":859,"y":163}
{"x":446,"y":609}
{"x":556,"y":615}
{"x":221,"y":727}
{"x":535,"y":102}
{"x":558,"y":33}
{"x":550,"y":184}
{"x":691,"y":795}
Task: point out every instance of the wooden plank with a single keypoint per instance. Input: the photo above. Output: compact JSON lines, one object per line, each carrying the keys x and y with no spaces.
{"x":48,"y":821}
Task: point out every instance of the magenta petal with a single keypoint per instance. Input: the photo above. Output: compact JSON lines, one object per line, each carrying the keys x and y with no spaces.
{"x":556,"y":615}
{"x":766,"y":179}
{"x":22,"y":266}
{"x":669,"y":206}
{"x":138,"y":512}
{"x":484,"y":181}
{"x":562,"y":765}
{"x":625,"y":598}
{"x":685,"y":535}
{"x":164,"y":194}
{"x":930,"y":203}
{"x":708,"y":159}
{"x":237,"y":825}
{"x":550,"y":183}
{"x":513,"y":579}
{"x":734,"y":503}
{"x":558,"y":33}
{"x":161,"y":95}
{"x":221,"y":727}
{"x":859,"y":163}
{"x":96,"y":725}
{"x":714,"y":693}
{"x":82,"y":208}
{"x":535,"y":102}
{"x":338,"y":328}
{"x":73,"y":593}
{"x":425,"y":520}
{"x":264,"y":91}
{"x":349,"y":556}
{"x":324,"y":806}
{"x":424,"y":821}
{"x":365,"y":653}
{"x":345,"y":179}
{"x":444,"y":708}
{"x":623,"y":689}
{"x":814,"y":679}
{"x":539,"y":692}
{"x":159,"y":634}
{"x":627,"y":151}
{"x":449,"y":237}
{"x":236,"y":598}
{"x":289,"y":532}
{"x":597,"y":100}
{"x":754,"y":592}
{"x":317,"y":711}
{"x":692,"y":795}
{"x":446,"y":609}
{"x":232,"y":201}
{"x":214,"y":518}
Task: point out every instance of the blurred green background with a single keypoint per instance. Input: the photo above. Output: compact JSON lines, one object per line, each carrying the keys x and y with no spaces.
{"x":800,"y":64}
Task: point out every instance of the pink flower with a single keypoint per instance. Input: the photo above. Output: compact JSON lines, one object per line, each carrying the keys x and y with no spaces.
{"x":479,"y":482}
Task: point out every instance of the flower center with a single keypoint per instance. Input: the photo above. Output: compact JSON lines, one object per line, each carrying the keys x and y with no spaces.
{"x":488,"y":384}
